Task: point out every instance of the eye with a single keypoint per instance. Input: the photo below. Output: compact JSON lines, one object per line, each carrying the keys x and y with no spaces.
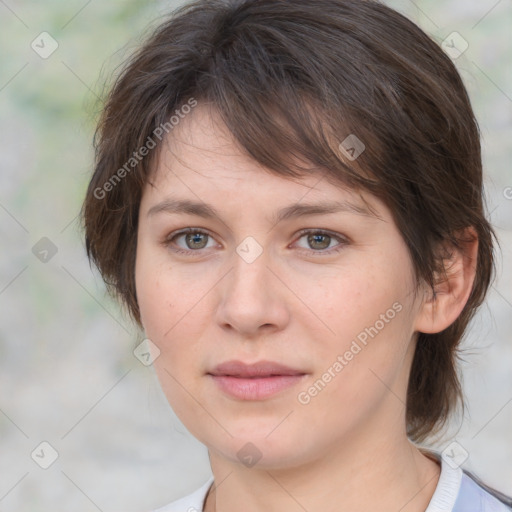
{"x":193,"y":238}
{"x":318,"y":240}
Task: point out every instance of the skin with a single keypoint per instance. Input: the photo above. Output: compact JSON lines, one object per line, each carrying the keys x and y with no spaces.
{"x":297,"y":304}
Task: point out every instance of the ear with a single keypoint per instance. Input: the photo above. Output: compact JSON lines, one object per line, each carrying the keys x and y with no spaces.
{"x":452,"y":287}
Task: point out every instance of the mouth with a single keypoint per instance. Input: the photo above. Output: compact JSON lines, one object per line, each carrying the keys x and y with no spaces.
{"x":256,"y":381}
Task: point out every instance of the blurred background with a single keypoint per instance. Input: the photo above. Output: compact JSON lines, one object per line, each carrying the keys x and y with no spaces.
{"x":83,"y":424}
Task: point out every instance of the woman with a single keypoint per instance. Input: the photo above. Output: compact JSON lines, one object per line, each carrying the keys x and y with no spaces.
{"x":288,"y":199}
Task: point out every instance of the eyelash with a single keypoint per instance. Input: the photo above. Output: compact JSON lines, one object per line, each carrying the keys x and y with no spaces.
{"x":343,"y":240}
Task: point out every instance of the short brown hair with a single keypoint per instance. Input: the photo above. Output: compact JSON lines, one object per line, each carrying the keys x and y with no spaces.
{"x":291,"y":81}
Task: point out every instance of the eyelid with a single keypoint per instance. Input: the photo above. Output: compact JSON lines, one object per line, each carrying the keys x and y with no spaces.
{"x":168,"y":240}
{"x":342,"y":239}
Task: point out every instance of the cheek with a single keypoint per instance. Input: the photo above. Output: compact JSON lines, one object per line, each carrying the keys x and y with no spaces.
{"x":359,"y":376}
{"x":172,"y":322}
{"x":161,"y":292}
{"x":348,"y":300}
{"x":173,"y":315}
{"x":152,"y":300}
{"x":370,"y":323}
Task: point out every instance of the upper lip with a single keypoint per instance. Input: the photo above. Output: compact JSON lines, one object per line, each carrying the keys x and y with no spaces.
{"x":258,"y":369}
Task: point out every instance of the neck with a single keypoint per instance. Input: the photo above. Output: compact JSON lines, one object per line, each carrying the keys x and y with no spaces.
{"x":388,"y":478}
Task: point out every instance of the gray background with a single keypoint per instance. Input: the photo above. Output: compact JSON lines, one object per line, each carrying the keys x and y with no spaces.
{"x":67,"y":372}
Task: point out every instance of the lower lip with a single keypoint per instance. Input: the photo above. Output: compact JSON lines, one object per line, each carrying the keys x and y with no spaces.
{"x":256,"y":388}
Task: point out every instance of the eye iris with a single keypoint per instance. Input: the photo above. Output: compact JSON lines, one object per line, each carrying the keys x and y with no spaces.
{"x":198,"y":240}
{"x":195,"y":238}
{"x":313,"y":239}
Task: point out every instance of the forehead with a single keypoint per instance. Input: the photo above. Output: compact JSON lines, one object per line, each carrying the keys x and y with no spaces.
{"x":201,"y":144}
{"x":201,"y":160}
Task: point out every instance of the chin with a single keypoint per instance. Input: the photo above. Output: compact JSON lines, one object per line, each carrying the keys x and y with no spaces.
{"x":252,"y":449}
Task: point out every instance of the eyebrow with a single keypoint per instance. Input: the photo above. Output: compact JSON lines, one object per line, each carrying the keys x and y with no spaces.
{"x":177,"y":206}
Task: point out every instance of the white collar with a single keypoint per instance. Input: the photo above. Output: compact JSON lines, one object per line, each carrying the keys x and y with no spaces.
{"x":447,"y":489}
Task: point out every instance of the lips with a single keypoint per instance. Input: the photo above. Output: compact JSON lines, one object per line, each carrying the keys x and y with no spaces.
{"x":257,"y":381}
{"x":255,"y":370}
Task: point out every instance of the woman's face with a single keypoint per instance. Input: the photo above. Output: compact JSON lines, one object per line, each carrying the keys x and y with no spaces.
{"x":265,"y":275}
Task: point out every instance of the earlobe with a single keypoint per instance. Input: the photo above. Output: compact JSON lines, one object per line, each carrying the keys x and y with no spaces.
{"x":452,"y":287}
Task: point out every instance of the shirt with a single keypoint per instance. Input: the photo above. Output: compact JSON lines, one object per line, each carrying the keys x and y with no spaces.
{"x":456,"y":491}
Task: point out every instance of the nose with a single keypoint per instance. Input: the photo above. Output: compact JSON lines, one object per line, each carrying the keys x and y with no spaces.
{"x":252,"y":298}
